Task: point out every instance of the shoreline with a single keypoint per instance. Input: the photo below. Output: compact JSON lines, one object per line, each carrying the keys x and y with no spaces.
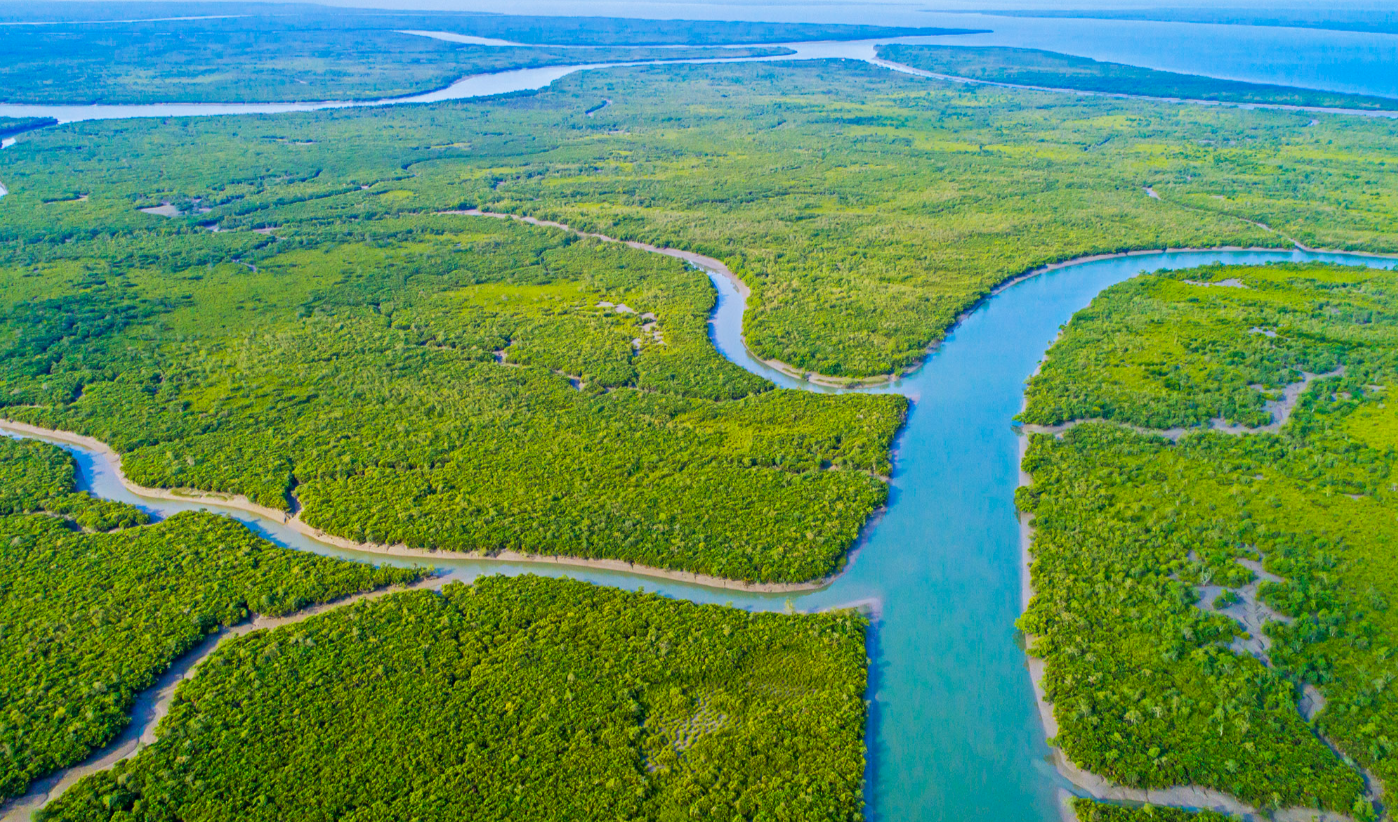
{"x":904,"y":68}
{"x":826,"y":381}
{"x":295,"y":523}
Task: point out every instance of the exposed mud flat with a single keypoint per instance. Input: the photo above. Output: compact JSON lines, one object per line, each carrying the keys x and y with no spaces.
{"x":1280,"y":410}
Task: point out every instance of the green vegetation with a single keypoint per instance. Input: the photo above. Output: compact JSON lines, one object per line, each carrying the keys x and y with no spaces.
{"x":1032,"y":67}
{"x":446,"y":382}
{"x":263,"y":53}
{"x":509,"y":699}
{"x":1089,"y":811}
{"x":866,"y":210}
{"x":534,"y":30}
{"x":39,"y":478}
{"x":1140,"y":541}
{"x":10,"y":126}
{"x":92,"y":616}
{"x":230,"y":61}
{"x":1182,"y":349}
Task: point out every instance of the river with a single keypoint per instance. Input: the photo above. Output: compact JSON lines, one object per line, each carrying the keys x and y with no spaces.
{"x":1359,"y":63}
{"x":953,"y":734}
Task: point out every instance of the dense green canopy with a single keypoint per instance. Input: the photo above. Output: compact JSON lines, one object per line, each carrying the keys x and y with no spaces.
{"x":95,"y":604}
{"x":1149,"y":554}
{"x":514,"y":698}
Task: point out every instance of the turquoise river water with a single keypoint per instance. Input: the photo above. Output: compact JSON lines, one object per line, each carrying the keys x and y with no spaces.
{"x":953,"y":731}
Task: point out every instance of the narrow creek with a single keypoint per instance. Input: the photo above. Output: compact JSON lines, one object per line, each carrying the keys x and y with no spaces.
{"x":954,"y":732}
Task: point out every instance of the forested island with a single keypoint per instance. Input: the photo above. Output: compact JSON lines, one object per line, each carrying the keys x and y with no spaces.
{"x":1212,"y":569}
{"x":510,"y":698}
{"x":1369,"y":19}
{"x":223,"y":61}
{"x":1047,"y":69}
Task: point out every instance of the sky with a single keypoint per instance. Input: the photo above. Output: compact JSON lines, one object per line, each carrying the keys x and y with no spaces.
{"x":803,"y":9}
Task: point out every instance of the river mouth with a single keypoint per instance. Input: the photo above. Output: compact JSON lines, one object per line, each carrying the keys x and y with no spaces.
{"x":514,"y":81}
{"x":954,"y":732}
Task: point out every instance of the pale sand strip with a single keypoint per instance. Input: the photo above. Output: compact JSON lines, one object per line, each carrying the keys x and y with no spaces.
{"x":296,"y":523}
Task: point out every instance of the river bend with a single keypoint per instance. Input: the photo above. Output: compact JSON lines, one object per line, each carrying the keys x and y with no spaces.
{"x":954,"y":733}
{"x":533,"y":79}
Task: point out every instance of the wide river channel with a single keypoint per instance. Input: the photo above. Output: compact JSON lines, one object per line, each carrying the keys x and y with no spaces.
{"x":954,"y":733}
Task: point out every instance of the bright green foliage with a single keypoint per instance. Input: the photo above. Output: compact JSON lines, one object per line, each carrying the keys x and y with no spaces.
{"x":1179,"y":349}
{"x":1089,"y":811}
{"x":37,"y":477}
{"x":509,"y":699}
{"x":1033,"y":67}
{"x":92,"y":619}
{"x":1145,"y":685}
{"x":867,"y":210}
{"x":449,"y":382}
{"x":1145,"y":688}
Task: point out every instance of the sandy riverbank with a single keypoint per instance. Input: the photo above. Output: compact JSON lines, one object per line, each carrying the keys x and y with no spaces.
{"x":427,"y":555}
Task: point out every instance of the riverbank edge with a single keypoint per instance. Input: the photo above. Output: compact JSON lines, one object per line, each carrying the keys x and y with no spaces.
{"x":705,"y":263}
{"x":1192,"y":797}
{"x":294,"y":522}
{"x":904,"y":68}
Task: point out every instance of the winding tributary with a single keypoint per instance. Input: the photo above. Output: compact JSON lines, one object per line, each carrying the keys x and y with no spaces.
{"x":954,"y":733}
